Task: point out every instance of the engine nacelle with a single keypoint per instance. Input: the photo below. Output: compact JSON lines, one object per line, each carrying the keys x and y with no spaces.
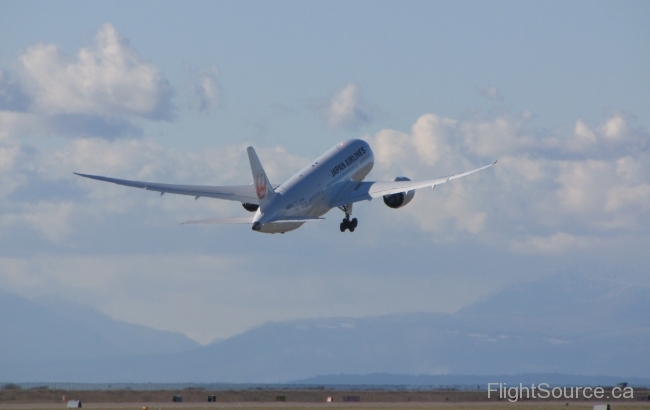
{"x":250,"y":207}
{"x":399,"y":199}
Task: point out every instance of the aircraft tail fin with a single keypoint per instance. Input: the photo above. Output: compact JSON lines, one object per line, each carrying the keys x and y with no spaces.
{"x":263,"y":188}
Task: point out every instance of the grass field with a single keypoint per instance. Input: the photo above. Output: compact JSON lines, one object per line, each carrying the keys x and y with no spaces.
{"x":198,"y":397}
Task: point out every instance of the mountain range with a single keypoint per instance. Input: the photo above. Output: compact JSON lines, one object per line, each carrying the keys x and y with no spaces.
{"x":51,"y":329}
{"x":563,"y":324}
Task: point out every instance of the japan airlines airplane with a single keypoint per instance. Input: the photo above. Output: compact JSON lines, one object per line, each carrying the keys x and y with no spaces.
{"x":333,"y":180}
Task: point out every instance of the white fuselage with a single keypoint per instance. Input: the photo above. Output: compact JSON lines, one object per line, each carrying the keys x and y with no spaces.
{"x":309,"y":192}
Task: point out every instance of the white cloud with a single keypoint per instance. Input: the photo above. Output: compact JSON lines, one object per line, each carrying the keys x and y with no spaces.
{"x":50,"y":220}
{"x":628,"y":197}
{"x":535,"y":189}
{"x":17,"y":123}
{"x":613,"y":137}
{"x":98,"y":92}
{"x":430,"y":139}
{"x":583,"y":184}
{"x":584,"y":134}
{"x":346,"y":109}
{"x":15,"y":164}
{"x":12,"y":95}
{"x":144,"y":159}
{"x":536,"y":201}
{"x":490,"y":92}
{"x":108,"y":78}
{"x":556,"y":244}
{"x":57,"y":218}
{"x":615,"y":128}
{"x":207,"y":91}
{"x":496,"y":137}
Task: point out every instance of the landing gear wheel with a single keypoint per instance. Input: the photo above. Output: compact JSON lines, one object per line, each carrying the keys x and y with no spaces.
{"x":348,"y":224}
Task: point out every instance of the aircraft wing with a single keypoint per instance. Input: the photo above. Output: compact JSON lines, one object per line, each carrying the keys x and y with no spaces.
{"x":364,"y":191}
{"x":240,"y":193}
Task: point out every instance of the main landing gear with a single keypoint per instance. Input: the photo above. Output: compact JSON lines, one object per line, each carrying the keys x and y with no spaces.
{"x":348,"y":224}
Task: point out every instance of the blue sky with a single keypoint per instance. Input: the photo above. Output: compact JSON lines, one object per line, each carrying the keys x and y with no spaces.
{"x":175,"y":91}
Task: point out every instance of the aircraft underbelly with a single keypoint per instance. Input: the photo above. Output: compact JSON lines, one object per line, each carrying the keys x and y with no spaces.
{"x":280,"y":227}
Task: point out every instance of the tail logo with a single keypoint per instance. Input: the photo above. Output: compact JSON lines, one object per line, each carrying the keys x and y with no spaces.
{"x":260,"y":185}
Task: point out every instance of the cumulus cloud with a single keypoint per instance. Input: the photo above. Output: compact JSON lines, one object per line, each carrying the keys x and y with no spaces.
{"x":15,"y":167}
{"x":100,"y":91}
{"x":550,"y":192}
{"x":346,"y":109}
{"x":578,"y":182}
{"x":614,"y":137}
{"x":430,"y":140}
{"x":48,"y":219}
{"x":548,"y":195}
{"x":635,"y":198}
{"x":12,"y":95}
{"x":490,"y":92}
{"x":55,"y":219}
{"x":206,"y":91}
{"x":555,"y":244}
{"x":107,"y":78}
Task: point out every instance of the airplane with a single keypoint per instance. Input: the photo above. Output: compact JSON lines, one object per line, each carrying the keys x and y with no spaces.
{"x":333,"y":180}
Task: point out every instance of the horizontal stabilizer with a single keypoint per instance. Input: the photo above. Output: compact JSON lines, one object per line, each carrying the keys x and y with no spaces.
{"x":221,"y":221}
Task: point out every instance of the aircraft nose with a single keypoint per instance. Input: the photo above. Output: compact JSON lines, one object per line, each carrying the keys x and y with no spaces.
{"x":257,"y":226}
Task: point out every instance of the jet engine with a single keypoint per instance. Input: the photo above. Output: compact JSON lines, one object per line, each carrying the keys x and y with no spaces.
{"x":399,"y":199}
{"x":250,"y":207}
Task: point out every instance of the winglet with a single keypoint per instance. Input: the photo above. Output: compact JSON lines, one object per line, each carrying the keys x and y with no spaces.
{"x":263,"y":187}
